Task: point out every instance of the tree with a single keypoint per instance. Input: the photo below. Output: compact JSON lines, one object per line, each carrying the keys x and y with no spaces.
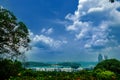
{"x":110,"y":65}
{"x":9,"y":68}
{"x":106,"y":75}
{"x":112,"y":1}
{"x":14,"y":35}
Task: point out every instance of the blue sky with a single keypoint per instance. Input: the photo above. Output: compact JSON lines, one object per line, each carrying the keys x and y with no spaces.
{"x":69,"y":30}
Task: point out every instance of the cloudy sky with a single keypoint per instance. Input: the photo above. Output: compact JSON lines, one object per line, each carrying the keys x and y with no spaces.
{"x":69,"y":30}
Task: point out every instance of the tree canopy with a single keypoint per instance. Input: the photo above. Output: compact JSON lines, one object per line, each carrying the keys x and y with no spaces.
{"x":112,"y":1}
{"x":9,"y":68}
{"x":110,"y":64}
{"x":14,"y":35}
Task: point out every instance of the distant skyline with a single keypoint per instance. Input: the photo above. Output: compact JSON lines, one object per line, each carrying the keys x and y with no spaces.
{"x":69,"y":30}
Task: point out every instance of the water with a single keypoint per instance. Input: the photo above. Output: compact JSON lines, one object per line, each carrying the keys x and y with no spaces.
{"x":83,"y":65}
{"x":88,"y":64}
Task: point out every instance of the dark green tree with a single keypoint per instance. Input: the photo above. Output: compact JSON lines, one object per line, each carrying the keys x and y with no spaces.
{"x":112,"y":1}
{"x":14,"y":35}
{"x":110,"y":65}
{"x":9,"y":68}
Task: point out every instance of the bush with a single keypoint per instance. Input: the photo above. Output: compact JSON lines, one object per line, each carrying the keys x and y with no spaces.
{"x":106,"y":75}
{"x":9,"y":68}
{"x":23,"y":78}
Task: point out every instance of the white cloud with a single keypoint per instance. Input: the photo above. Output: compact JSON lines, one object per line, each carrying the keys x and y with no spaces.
{"x":97,"y":9}
{"x":59,"y":21}
{"x":43,"y":30}
{"x":77,"y":25}
{"x":87,"y":46}
{"x":47,"y":31}
{"x":47,"y":40}
{"x":43,"y":45}
{"x":91,"y":21}
{"x":31,"y":34}
{"x":36,"y":39}
{"x":82,"y":33}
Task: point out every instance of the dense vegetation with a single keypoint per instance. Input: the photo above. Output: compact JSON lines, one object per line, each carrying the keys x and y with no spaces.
{"x":13,"y":70}
{"x":9,"y":68}
{"x":112,"y":1}
{"x":112,"y":65}
{"x":14,"y":41}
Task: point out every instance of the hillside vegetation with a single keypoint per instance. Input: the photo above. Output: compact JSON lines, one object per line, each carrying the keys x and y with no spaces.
{"x":105,"y":70}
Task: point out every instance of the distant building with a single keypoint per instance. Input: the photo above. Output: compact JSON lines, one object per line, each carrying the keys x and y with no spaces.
{"x":100,"y":57}
{"x":50,"y":69}
{"x":105,"y":57}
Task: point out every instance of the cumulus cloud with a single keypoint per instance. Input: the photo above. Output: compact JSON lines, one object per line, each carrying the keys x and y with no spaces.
{"x":47,"y":40}
{"x":98,"y":9}
{"x":42,"y":39}
{"x":43,"y":46}
{"x":92,"y":21}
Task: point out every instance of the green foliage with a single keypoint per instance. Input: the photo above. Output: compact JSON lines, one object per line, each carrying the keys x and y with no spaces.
{"x":9,"y":68}
{"x":112,"y":1}
{"x":99,"y":73}
{"x":82,"y":75}
{"x":29,"y":73}
{"x":13,"y":35}
{"x":24,"y":78}
{"x":110,"y":64}
{"x":104,"y":75}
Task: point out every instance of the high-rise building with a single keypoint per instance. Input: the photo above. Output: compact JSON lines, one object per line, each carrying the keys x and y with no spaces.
{"x":100,"y":57}
{"x":105,"y":57}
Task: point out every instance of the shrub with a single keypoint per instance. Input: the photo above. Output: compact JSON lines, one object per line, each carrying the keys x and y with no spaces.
{"x":106,"y":75}
{"x":9,"y":68}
